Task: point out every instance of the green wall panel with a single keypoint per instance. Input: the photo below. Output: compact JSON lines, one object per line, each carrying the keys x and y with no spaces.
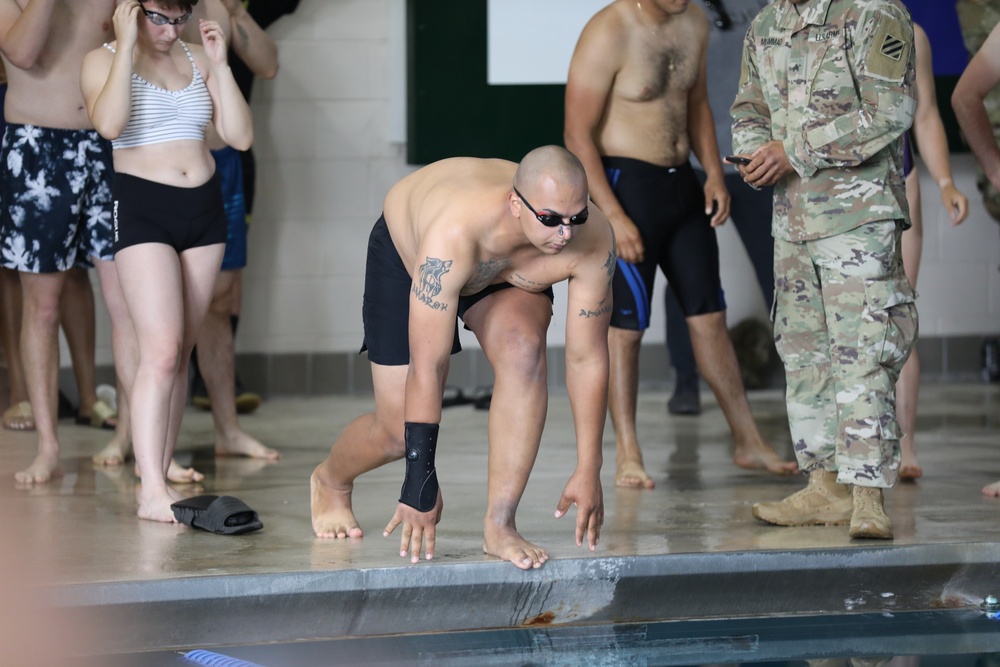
{"x":451,"y":110}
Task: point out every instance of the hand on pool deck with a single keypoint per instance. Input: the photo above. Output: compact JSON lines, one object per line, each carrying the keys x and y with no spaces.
{"x":418,"y":527}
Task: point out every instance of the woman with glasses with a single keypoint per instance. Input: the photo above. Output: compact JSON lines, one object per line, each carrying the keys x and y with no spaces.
{"x":153,"y":96}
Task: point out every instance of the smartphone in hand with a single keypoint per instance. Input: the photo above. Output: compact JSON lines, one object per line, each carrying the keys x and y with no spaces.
{"x":738,"y":159}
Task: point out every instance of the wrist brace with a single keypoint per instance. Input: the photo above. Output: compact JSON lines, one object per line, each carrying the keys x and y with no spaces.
{"x":420,"y":486}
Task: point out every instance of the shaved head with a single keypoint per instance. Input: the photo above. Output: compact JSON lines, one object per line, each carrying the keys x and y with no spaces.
{"x":550,"y":163}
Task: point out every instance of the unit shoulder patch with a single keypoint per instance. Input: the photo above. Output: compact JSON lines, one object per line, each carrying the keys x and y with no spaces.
{"x":889,"y":55}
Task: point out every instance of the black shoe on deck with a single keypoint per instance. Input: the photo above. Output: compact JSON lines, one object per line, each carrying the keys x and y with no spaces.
{"x":687,"y":396}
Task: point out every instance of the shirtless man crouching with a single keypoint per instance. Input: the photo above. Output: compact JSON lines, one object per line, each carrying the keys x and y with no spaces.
{"x":459,"y":238}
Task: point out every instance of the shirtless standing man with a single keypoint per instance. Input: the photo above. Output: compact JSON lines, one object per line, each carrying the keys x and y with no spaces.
{"x":636,"y":106}
{"x":56,"y":190}
{"x":459,"y":238}
{"x":216,"y":354}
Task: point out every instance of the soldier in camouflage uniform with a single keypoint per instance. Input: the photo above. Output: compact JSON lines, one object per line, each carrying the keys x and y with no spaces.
{"x":977,"y":18}
{"x":970,"y":101}
{"x":825,"y":96}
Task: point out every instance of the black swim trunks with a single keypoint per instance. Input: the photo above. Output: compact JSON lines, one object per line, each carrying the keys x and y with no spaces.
{"x":667,"y":204}
{"x":385,"y":309}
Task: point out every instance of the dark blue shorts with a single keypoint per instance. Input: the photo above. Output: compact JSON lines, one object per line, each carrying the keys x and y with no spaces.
{"x":667,"y":204}
{"x":55,"y":191}
{"x":385,"y":309}
{"x":229,"y":167}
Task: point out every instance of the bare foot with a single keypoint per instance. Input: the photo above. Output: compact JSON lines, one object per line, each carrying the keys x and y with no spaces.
{"x":178,"y":474}
{"x":761,"y":456}
{"x":115,"y":453}
{"x":242,"y":444}
{"x":506,"y":544}
{"x":19,"y":417}
{"x":156,"y":506}
{"x":909,"y":469}
{"x":332,"y":515}
{"x":43,"y":469}
{"x":992,"y":490}
{"x":631,"y":474}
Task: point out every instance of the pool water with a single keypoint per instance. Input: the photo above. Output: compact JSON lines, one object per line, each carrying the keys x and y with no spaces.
{"x":952,"y":638}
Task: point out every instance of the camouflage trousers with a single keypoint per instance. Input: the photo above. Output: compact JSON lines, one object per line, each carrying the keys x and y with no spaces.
{"x":844,"y":322}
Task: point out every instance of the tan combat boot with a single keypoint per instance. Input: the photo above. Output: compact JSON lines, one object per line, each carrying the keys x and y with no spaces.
{"x":823,"y":502}
{"x":869,"y":518}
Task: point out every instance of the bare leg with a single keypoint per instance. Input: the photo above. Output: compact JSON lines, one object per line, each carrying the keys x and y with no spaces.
{"x":511,"y":326}
{"x":370,"y":441}
{"x":236,"y":294}
{"x":623,"y":346}
{"x":246,"y":400}
{"x":199,"y":268}
{"x":123,"y":345}
{"x":76,"y":314}
{"x":167,"y":298}
{"x":718,"y":365}
{"x":118,"y":449}
{"x":40,"y":359}
{"x":908,"y":384}
{"x":216,"y":362}
{"x":11,"y":307}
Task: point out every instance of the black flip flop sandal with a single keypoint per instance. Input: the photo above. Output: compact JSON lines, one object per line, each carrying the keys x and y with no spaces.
{"x":222,"y":515}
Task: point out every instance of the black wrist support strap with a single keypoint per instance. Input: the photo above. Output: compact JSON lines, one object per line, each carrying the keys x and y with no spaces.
{"x":420,"y":486}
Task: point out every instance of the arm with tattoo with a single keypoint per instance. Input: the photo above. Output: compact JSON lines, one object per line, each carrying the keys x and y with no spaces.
{"x":427,"y":284}
{"x":587,"y":368}
{"x":249,"y":41}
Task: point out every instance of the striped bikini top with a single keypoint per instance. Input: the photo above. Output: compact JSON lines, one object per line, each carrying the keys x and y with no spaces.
{"x":160,"y":115}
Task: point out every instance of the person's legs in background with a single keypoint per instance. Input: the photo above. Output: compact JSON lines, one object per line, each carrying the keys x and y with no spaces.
{"x":230,"y":164}
{"x":215,"y":340}
{"x":750,"y":211}
{"x":246,"y":401}
{"x":78,"y":319}
{"x":908,"y":385}
{"x":686,"y":399}
{"x":40,"y":356}
{"x":18,"y":415}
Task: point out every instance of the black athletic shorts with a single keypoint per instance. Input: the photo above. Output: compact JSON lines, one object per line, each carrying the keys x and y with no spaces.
{"x":182,"y":218}
{"x":667,"y":204}
{"x":385,"y":308}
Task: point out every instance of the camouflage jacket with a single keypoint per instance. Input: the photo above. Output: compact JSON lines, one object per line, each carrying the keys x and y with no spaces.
{"x":833,"y":81}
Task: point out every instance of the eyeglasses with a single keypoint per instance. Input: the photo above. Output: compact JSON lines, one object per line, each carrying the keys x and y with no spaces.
{"x":157,"y":18}
{"x":552,"y":219}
